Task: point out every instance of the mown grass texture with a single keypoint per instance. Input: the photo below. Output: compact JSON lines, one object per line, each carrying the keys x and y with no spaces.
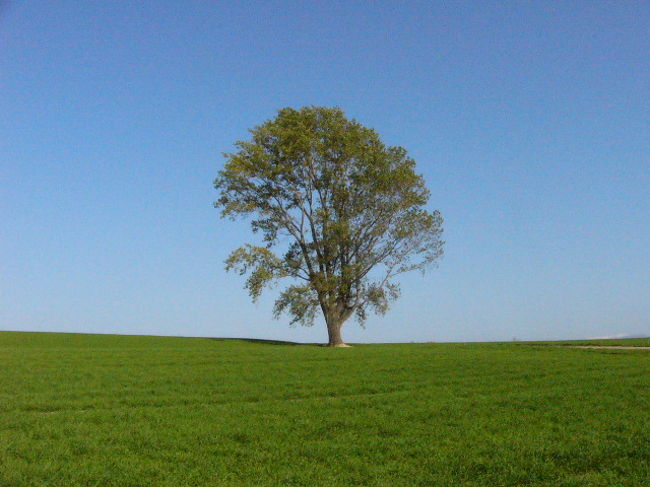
{"x":102,"y":410}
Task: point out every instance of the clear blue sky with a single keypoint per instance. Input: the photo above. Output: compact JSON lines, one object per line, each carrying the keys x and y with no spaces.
{"x":529,"y":120}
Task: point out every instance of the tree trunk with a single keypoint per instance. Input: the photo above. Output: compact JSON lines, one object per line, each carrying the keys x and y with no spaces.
{"x":334,"y":334}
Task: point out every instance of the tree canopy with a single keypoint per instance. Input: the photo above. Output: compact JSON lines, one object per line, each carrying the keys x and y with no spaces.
{"x":340,"y":215}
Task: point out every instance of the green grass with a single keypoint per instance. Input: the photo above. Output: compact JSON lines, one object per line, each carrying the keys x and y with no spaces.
{"x":610,"y":342}
{"x":84,"y":410}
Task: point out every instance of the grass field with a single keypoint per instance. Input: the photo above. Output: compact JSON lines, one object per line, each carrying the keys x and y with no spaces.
{"x":93,"y":410}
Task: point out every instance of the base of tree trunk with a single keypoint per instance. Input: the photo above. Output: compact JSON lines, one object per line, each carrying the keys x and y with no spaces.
{"x":339,"y":345}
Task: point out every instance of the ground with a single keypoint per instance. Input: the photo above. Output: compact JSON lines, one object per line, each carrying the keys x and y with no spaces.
{"x":85,"y":410}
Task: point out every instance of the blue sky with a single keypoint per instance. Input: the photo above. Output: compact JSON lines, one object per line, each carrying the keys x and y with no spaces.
{"x":529,"y":121}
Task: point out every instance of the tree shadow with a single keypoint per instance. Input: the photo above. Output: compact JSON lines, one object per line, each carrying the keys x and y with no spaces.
{"x":262,"y":341}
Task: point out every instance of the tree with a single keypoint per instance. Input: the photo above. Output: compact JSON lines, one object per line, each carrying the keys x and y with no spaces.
{"x":340,"y":213}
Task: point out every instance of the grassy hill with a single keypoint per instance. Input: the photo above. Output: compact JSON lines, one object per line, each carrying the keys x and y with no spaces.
{"x":85,"y":410}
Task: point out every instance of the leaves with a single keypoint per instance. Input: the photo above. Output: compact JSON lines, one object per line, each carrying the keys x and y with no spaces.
{"x":300,"y":301}
{"x":351,"y":208}
{"x":262,"y":264}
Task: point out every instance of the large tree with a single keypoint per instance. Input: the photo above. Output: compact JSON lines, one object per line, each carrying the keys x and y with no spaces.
{"x":340,"y":214}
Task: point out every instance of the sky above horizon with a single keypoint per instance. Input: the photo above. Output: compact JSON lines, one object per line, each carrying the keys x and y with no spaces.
{"x":528,"y":120}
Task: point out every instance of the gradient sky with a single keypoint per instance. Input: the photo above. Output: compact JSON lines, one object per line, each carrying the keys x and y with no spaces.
{"x":529,"y":120}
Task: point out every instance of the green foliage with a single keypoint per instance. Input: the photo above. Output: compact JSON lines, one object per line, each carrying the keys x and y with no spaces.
{"x":260,"y":262}
{"x":352,"y":208}
{"x":119,"y":411}
{"x":300,"y":301}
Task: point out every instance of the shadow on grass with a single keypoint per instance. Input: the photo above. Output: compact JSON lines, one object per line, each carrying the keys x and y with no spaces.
{"x":265,"y":342}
